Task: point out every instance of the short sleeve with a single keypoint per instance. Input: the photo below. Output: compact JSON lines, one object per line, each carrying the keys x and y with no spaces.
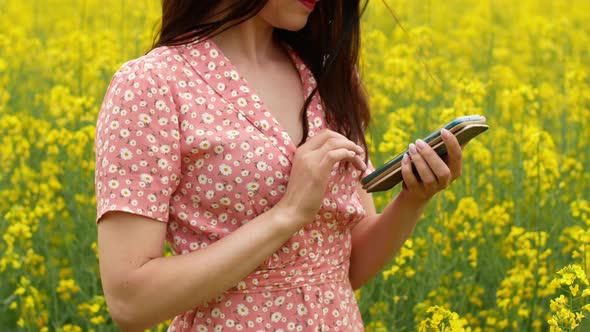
{"x":137,"y":144}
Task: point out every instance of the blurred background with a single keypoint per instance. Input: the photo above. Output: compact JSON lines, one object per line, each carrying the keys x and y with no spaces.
{"x":503,"y":249}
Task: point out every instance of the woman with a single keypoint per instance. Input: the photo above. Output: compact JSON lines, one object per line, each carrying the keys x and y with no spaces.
{"x":239,"y":139}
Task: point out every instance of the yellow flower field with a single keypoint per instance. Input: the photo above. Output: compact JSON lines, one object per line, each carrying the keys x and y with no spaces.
{"x":504,"y":249}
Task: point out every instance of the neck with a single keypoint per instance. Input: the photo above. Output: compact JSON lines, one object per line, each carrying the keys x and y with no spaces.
{"x":251,"y":42}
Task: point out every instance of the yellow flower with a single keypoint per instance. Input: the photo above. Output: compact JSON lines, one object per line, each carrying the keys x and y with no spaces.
{"x":441,"y":319}
{"x":66,"y":288}
{"x":97,"y":320}
{"x":70,"y":328}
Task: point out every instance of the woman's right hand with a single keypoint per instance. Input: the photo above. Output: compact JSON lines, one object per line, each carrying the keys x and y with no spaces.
{"x":310,"y":172}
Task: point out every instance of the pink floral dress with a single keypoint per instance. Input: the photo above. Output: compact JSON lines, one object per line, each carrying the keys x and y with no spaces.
{"x":183,"y":139}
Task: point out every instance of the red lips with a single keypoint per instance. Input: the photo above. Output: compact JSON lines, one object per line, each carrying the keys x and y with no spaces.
{"x":310,"y":4}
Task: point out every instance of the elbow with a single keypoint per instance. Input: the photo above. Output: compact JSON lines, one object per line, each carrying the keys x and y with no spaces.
{"x":125,"y":315}
{"x":357,"y":276}
{"x":356,"y":286}
{"x":127,"y":303}
{"x":355,"y":281}
{"x":125,"y":308}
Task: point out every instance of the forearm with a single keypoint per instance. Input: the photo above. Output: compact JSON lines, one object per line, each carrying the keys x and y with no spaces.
{"x":378,"y":238}
{"x":167,"y":286}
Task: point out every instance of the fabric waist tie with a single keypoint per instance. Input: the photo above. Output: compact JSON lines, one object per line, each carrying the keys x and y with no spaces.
{"x":291,"y":275}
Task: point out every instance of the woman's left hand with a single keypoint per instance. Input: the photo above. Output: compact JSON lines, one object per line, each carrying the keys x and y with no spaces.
{"x":435,"y":173}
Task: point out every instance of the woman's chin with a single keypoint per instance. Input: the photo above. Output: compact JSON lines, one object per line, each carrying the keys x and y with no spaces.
{"x":290,"y":22}
{"x":295,"y":26}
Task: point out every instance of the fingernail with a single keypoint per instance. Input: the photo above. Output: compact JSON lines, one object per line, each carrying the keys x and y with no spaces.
{"x":420,"y":143}
{"x":364,"y":165}
{"x":405,"y":159}
{"x":413,"y":149}
{"x":445,"y":133}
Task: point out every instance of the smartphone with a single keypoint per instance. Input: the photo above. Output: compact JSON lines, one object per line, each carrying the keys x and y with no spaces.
{"x":389,"y":175}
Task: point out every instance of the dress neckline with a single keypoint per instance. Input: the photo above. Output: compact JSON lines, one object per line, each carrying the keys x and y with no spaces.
{"x":240,"y":90}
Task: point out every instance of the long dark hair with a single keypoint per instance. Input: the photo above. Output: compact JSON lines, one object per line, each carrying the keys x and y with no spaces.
{"x":328,"y":44}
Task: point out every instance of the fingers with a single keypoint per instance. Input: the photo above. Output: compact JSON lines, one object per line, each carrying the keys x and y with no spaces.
{"x":339,"y":142}
{"x":333,"y":156}
{"x":357,"y":162}
{"x":323,"y":151}
{"x":318,"y":140}
{"x":440,"y":169}
{"x":330,"y":147}
{"x":332,"y":138}
{"x":338,"y":149}
{"x":454,"y":154}
{"x":410,"y":180}
{"x":428,"y":178}
{"x":435,"y":172}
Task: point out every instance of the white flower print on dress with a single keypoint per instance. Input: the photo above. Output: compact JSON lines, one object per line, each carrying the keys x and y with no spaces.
{"x":129,"y":95}
{"x":225,"y":169}
{"x":301,"y":309}
{"x":114,"y":184}
{"x":205,"y":145}
{"x":261,"y":166}
{"x":145,"y":118}
{"x":242,"y":310}
{"x":146,"y":178}
{"x":126,"y":154}
{"x":114,"y":125}
{"x":207,"y":118}
{"x":124,"y":133}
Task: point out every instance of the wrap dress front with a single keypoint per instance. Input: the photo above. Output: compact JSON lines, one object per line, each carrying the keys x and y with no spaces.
{"x":182,"y":138}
